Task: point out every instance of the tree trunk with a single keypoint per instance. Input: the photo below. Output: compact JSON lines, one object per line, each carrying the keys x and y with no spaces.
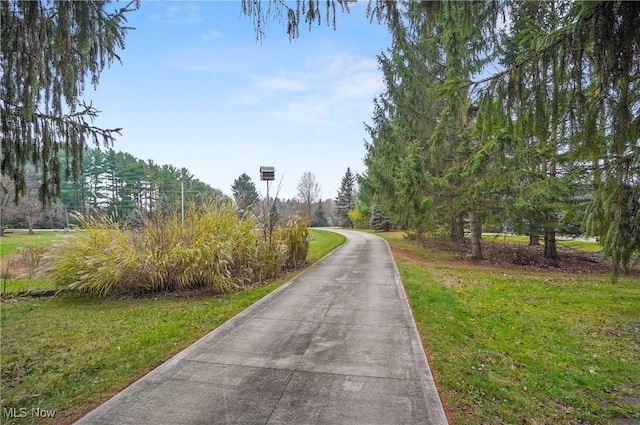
{"x":534,"y":236}
{"x":550,"y":246}
{"x":457,"y":229}
{"x":475,"y":222}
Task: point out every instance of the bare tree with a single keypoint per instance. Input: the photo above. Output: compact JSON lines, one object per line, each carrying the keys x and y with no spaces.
{"x":308,"y":192}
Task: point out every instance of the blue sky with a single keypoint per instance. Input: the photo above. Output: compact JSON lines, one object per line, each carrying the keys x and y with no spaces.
{"x":196,"y":90}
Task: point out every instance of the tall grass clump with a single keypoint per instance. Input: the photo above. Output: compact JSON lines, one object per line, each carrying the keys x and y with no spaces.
{"x":98,"y":260}
{"x":212,"y":248}
{"x":295,"y":238}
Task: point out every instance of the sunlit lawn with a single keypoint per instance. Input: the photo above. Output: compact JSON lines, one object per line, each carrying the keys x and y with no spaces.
{"x":577,"y":244}
{"x":512,"y":347}
{"x":505,"y":346}
{"x":19,"y":246}
{"x":16,"y":239}
{"x":69,"y":354}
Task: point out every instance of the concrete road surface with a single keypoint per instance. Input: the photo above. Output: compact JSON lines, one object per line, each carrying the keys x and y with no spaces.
{"x":336,"y":345}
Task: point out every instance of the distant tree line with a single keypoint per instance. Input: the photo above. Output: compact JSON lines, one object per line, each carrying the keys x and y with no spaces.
{"x":307,"y":204}
{"x":112,"y":183}
{"x":119,"y":183}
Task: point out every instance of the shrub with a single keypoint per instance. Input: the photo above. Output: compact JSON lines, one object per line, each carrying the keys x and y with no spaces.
{"x":378,"y":220}
{"x":358,"y":218}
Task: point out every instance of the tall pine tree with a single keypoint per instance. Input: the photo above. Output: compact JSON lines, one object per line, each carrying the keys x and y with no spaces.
{"x":346,"y":199}
{"x":521,"y":143}
{"x":571,"y":86}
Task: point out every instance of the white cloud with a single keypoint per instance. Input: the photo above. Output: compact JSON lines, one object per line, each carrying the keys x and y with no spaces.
{"x":347,"y":63}
{"x":212,"y":34}
{"x":188,"y":63}
{"x":360,"y":86}
{"x":178,"y":14}
{"x":316,"y":93}
{"x":309,"y":110}
{"x":279,"y":84}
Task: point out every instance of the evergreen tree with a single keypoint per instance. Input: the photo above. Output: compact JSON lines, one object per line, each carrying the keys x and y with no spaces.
{"x":423,"y":132}
{"x":319,"y":217}
{"x":570,"y":87}
{"x":244,"y":193}
{"x":379,"y":221}
{"x":401,"y":175}
{"x":291,"y":13}
{"x":274,"y":217}
{"x":125,"y":186}
{"x":345,"y":200}
{"x":47,"y":52}
{"x":519,"y":144}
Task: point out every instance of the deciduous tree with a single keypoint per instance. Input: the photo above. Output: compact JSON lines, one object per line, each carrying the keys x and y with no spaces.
{"x":308,"y":192}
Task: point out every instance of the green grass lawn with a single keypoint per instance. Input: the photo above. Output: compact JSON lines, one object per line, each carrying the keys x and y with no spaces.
{"x":322,"y":242}
{"x":505,"y":346}
{"x":11,"y":242}
{"x":10,"y":246}
{"x":510,"y":347}
{"x":577,"y":244}
{"x":13,"y":286}
{"x":70,"y":354}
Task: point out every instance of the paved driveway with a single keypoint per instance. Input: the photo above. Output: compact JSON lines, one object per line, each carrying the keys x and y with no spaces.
{"x":336,"y":345}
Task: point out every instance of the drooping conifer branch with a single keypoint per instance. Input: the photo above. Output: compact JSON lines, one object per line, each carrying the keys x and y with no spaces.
{"x":49,"y":50}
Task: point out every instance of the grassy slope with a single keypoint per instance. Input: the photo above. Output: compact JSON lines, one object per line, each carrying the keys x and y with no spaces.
{"x":510,"y":347}
{"x":69,"y":354}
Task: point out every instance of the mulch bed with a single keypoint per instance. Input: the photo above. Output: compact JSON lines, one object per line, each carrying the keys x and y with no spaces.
{"x":529,"y":258}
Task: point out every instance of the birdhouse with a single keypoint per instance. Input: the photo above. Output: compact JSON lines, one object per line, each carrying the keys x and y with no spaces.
{"x":267,"y":173}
